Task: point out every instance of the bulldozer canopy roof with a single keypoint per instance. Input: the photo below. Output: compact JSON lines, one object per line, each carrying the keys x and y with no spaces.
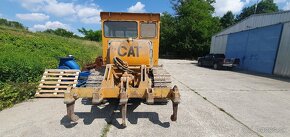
{"x":124,"y":16}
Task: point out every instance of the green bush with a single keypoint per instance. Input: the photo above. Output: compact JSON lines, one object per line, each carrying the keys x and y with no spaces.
{"x":12,"y":93}
{"x":25,"y":55}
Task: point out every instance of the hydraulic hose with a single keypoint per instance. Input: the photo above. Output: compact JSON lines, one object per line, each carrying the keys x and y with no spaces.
{"x":122,"y":65}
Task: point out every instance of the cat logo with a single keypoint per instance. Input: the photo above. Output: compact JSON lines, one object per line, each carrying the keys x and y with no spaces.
{"x":132,"y":51}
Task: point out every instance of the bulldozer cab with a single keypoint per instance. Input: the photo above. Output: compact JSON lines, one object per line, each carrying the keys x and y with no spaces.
{"x":133,"y":37}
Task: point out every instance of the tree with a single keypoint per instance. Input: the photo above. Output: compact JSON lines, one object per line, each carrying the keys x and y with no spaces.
{"x":168,"y":33}
{"x":12,"y":24}
{"x":265,"y":6}
{"x":91,"y":35}
{"x":61,"y":32}
{"x":227,"y":20}
{"x":194,"y":27}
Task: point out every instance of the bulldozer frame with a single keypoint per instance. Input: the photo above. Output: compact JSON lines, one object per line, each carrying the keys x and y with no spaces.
{"x":123,"y":80}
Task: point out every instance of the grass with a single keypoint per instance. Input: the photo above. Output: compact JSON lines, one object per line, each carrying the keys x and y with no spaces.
{"x":106,"y":130}
{"x":24,"y":56}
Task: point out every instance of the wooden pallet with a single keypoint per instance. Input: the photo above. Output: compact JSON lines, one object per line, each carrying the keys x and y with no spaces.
{"x":55,"y":82}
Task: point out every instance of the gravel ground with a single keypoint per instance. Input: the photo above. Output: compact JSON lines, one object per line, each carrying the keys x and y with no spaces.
{"x":214,"y":103}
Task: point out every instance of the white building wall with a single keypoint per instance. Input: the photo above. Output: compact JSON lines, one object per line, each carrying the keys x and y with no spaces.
{"x":219,"y":44}
{"x":282,"y":66}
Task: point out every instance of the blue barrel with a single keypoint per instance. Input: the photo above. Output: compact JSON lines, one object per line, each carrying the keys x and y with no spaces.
{"x":68,"y":63}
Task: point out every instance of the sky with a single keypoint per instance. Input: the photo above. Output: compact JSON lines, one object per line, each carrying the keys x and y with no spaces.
{"x":39,"y":15}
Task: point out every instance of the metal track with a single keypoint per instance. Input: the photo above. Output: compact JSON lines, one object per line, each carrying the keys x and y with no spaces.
{"x":161,"y":78}
{"x":95,"y":79}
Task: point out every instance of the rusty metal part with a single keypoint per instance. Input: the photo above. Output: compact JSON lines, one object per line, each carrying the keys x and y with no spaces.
{"x":122,"y":65}
{"x":127,"y":86}
{"x":150,"y":96}
{"x":125,"y":80}
{"x":161,"y":78}
{"x":175,"y":95}
{"x":124,"y":114}
{"x":134,"y":52}
{"x":96,"y":65}
{"x":175,"y":101}
{"x":70,"y":112}
{"x":173,"y":117}
{"x":95,"y":78}
{"x":97,"y":97}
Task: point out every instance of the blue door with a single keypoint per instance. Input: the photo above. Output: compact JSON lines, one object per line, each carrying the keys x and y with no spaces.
{"x":256,"y":48}
{"x":236,"y":46}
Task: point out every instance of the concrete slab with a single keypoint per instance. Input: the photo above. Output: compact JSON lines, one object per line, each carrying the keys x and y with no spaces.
{"x":260,"y":102}
{"x":46,"y":117}
{"x":214,"y":103}
{"x":196,"y":117}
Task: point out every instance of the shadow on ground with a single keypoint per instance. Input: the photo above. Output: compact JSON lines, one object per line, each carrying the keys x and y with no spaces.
{"x":270,"y":76}
{"x":238,"y":70}
{"x":110,"y":112}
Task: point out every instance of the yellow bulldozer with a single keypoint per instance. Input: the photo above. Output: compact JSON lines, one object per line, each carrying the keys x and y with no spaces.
{"x":130,"y":68}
